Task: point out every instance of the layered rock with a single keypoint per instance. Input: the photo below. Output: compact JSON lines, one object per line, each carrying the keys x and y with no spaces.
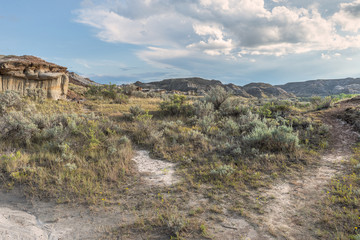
{"x":24,"y":73}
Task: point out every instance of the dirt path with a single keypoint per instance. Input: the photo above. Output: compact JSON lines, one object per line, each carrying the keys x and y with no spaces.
{"x":154,"y":171}
{"x":286,"y":215}
{"x":21,"y":218}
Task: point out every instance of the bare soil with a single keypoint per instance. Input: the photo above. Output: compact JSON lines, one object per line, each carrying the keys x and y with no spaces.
{"x":21,"y":218}
{"x":154,"y":171}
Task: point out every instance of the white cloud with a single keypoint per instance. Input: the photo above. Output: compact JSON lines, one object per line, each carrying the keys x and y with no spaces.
{"x":349,"y":16}
{"x":172,"y":29}
{"x":156,"y":55}
{"x":325,"y":56}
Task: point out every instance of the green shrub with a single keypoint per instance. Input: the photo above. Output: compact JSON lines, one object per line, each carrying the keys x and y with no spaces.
{"x":233,"y":107}
{"x":321,"y":102}
{"x":176,"y":105}
{"x":341,"y":96}
{"x":207,"y":124}
{"x":36,"y":94}
{"x":223,"y":170}
{"x":229,"y":127}
{"x":128,"y":89}
{"x":136,"y":111}
{"x":139,"y":94}
{"x":110,"y":91}
{"x":203,"y":108}
{"x":273,"y":139}
{"x":17,"y":128}
{"x":120,"y":99}
{"x":217,"y":95}
{"x":275,"y":109}
{"x":10,"y":99}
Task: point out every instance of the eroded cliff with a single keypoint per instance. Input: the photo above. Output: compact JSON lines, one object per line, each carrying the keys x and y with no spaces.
{"x":25,"y":73}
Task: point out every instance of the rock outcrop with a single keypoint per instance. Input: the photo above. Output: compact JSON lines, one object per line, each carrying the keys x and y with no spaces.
{"x":26,"y":73}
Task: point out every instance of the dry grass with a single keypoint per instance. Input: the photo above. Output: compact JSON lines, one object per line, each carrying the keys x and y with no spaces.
{"x":104,"y":107}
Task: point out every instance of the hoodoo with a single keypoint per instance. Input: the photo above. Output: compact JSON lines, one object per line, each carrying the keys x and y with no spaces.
{"x":26,"y":73}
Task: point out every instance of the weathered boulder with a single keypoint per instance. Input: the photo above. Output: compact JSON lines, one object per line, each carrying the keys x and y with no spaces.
{"x":24,"y":73}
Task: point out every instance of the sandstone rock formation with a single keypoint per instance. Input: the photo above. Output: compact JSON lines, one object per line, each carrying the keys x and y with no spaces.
{"x":24,"y":73}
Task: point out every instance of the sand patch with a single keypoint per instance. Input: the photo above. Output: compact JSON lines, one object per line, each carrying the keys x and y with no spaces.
{"x":15,"y":224}
{"x":154,"y":171}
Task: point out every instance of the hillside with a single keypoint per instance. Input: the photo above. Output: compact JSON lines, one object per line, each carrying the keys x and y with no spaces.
{"x":200,"y":85}
{"x":265,"y":90}
{"x":82,"y":81}
{"x":323,"y":87}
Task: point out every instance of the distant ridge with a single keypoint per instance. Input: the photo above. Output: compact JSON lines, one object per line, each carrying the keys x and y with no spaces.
{"x":200,"y":85}
{"x":322,"y":87}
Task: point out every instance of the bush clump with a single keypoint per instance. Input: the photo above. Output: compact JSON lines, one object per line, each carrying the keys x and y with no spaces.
{"x":272,"y":139}
{"x":217,"y":95}
{"x":176,"y":105}
{"x":110,"y":91}
{"x":320,"y":103}
{"x":10,"y":99}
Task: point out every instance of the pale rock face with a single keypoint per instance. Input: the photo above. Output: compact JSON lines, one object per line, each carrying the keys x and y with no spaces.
{"x":28,"y":72}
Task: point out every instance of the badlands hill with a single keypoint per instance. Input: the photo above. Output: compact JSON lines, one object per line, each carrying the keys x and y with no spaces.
{"x":200,"y":85}
{"x":323,"y":87}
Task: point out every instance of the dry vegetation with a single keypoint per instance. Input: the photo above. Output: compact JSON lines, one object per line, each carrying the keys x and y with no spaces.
{"x":226,"y":148}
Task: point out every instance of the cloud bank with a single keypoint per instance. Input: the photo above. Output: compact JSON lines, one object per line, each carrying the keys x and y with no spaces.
{"x":231,"y":29}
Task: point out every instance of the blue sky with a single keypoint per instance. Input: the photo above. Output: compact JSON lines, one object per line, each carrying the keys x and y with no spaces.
{"x":238,"y":41}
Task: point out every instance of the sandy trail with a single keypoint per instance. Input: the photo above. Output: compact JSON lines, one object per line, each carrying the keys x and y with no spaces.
{"x":292,"y":200}
{"x":154,"y":171}
{"x":21,"y":218}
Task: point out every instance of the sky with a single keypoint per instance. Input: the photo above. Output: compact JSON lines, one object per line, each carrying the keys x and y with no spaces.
{"x":234,"y":41}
